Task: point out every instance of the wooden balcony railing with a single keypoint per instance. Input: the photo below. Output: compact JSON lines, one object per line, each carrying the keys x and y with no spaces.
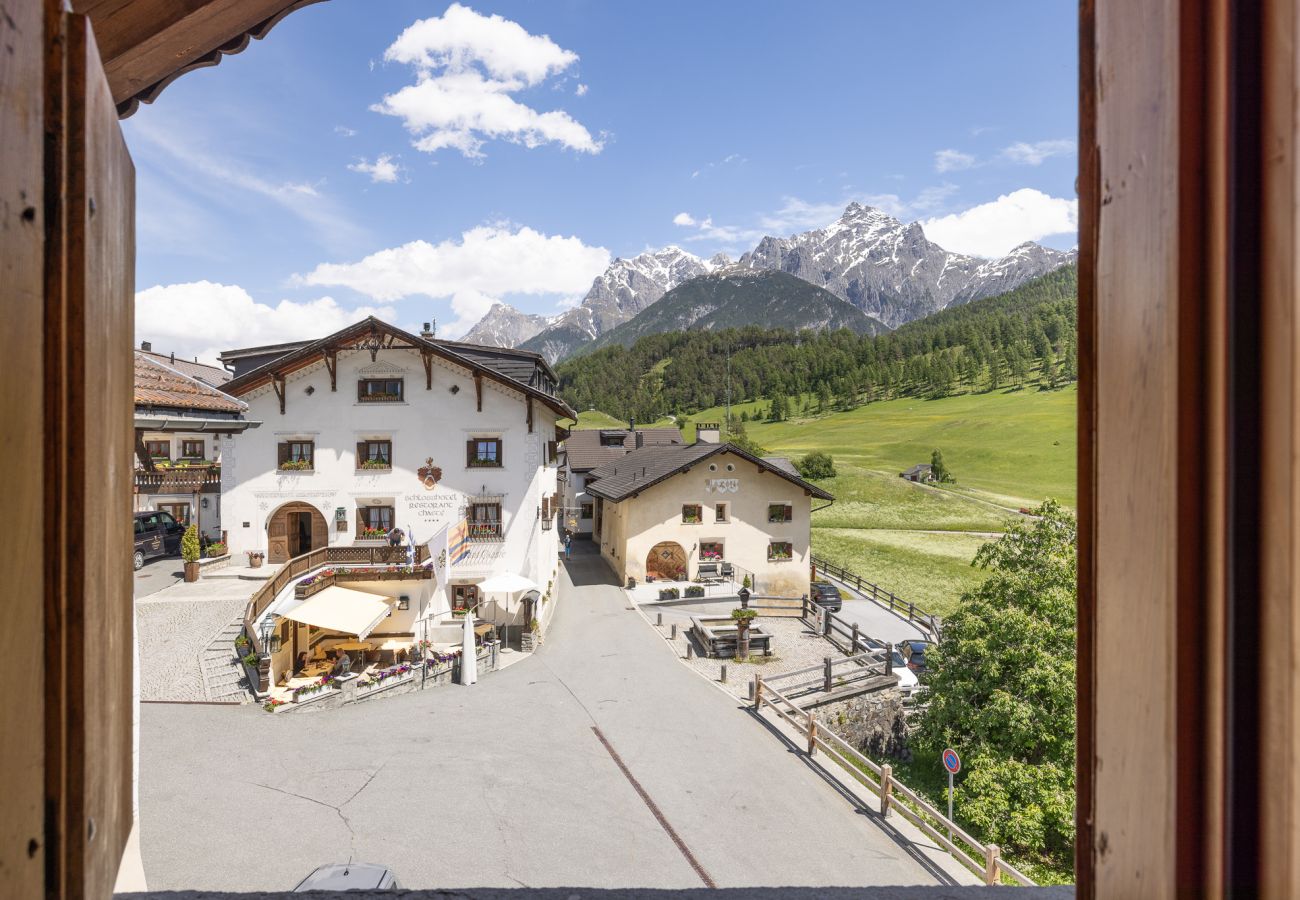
{"x":179,"y":479}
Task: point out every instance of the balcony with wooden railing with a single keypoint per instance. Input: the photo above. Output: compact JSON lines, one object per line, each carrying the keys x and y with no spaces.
{"x":182,"y":478}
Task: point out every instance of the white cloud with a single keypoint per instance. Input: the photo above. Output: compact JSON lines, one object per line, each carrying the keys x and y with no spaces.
{"x":202,"y":318}
{"x":484,"y":265}
{"x":684,"y":218}
{"x":952,"y":161}
{"x":383,"y":169}
{"x":345,"y":131}
{"x":581,"y":90}
{"x":467,"y":67}
{"x":993,"y":229}
{"x":1034,"y":154}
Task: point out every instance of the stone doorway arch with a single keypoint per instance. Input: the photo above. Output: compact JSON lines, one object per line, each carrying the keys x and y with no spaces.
{"x":294,"y":529}
{"x":667,"y":561}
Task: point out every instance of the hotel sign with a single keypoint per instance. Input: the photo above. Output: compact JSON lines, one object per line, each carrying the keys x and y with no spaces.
{"x":722,"y":485}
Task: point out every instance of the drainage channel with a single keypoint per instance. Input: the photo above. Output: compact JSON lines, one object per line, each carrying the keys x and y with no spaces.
{"x":654,"y":810}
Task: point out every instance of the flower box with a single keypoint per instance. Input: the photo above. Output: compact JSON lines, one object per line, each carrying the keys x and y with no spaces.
{"x":295,"y":465}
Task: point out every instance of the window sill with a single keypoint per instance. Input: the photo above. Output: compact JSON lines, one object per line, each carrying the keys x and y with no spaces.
{"x":381,"y":403}
{"x":295,"y":471}
{"x":383,"y":471}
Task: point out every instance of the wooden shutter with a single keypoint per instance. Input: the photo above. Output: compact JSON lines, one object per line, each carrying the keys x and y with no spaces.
{"x":362,"y":449}
{"x":281,"y":453}
{"x":469,"y":452}
{"x":550,"y":451}
{"x":501,"y":456}
{"x":361,"y":384}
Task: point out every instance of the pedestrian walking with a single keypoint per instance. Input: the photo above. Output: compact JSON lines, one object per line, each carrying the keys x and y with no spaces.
{"x":568,"y":545}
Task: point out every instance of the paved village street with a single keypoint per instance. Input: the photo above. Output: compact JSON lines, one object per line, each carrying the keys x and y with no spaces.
{"x":509,"y":782}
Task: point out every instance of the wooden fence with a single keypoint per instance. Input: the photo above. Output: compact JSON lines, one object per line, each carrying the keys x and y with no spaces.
{"x":984,"y":860}
{"x":928,"y":622}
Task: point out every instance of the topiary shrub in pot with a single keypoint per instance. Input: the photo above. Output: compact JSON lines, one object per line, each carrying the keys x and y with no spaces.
{"x":190,"y":552}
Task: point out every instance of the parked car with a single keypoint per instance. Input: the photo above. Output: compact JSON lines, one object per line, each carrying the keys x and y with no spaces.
{"x":349,"y":877}
{"x":913,"y":652}
{"x":156,"y":534}
{"x":826,"y":595}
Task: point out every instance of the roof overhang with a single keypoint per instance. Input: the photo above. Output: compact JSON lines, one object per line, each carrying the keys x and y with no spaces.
{"x":177,"y":424}
{"x":367,"y":328}
{"x":145,"y":45}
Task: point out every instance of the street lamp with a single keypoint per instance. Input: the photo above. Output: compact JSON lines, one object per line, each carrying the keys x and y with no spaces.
{"x":270,"y":638}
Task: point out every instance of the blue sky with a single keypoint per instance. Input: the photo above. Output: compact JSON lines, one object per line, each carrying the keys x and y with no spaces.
{"x":508,"y":150}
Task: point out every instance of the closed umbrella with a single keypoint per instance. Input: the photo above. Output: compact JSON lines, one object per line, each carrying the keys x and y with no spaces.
{"x":468,"y":659}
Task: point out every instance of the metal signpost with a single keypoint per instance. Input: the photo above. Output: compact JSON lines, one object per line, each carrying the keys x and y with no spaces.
{"x":951,"y":762}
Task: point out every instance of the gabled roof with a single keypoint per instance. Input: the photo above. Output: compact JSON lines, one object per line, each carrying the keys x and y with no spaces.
{"x":159,"y":385}
{"x":214,"y":375}
{"x":310,"y":352}
{"x":585,"y":449}
{"x":644,"y":468}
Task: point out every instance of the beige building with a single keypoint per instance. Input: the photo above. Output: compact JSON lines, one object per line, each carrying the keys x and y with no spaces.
{"x":662,"y":512}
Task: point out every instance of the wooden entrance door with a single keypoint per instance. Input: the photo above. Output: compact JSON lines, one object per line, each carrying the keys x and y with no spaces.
{"x":667,"y":560}
{"x":295,"y":529}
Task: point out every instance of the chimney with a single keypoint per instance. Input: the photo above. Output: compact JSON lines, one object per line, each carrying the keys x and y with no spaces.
{"x":708,"y":433}
{"x":173,"y":359}
{"x":430,"y":328}
{"x":631,"y":424}
{"x":146,"y":346}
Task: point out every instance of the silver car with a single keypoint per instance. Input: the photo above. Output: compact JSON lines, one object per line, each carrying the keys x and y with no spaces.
{"x":348,"y":877}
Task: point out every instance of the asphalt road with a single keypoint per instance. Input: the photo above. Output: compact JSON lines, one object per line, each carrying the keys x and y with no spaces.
{"x":511,"y":782}
{"x":158,"y":573}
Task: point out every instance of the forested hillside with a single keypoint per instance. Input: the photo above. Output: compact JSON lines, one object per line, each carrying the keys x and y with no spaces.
{"x":990,"y":344}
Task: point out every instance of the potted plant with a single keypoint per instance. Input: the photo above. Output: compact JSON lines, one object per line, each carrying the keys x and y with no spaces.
{"x":695,"y":590}
{"x":241,"y":644}
{"x":743,"y":619}
{"x":534,"y":626}
{"x":255,"y":559}
{"x":190,"y":553}
{"x":218,"y":548}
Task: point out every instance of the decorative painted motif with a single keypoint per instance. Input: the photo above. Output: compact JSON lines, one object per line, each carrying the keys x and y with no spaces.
{"x":429,"y":474}
{"x":722,"y":485}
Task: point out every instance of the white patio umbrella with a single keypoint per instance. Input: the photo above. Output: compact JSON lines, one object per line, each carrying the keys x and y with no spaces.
{"x":506,"y":583}
{"x":468,"y":659}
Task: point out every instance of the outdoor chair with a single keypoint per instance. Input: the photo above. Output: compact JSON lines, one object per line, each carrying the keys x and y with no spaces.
{"x":728,"y":572}
{"x":708,"y":571}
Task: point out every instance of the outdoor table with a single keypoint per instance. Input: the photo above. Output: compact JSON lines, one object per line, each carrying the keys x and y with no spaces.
{"x":354,"y":645}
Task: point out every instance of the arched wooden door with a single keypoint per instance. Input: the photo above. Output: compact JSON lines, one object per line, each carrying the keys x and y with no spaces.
{"x":295,"y":529}
{"x":667,"y":560}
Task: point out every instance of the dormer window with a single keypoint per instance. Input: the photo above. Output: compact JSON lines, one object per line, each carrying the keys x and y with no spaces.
{"x":380,"y":390}
{"x":612,"y":438}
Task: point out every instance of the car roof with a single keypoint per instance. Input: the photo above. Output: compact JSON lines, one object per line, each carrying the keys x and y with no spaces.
{"x":346,"y":876}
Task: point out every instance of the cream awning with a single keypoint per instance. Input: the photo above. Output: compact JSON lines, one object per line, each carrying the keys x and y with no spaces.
{"x":341,"y":609}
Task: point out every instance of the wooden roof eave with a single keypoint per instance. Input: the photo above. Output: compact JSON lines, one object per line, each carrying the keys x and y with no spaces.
{"x":314,"y":353}
{"x":145,"y":45}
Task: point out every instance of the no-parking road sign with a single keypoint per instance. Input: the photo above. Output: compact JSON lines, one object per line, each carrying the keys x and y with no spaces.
{"x":951,"y":761}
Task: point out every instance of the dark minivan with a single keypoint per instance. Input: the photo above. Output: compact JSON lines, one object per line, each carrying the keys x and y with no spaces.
{"x":914,"y":654}
{"x":156,"y":534}
{"x":826,"y":595}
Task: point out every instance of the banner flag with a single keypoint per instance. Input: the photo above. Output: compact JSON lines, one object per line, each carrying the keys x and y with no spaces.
{"x":458,"y":543}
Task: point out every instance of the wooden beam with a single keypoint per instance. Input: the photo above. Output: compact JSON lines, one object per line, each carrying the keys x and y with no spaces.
{"x":478,"y":389}
{"x":332,"y":364}
{"x":530,"y":415}
{"x":277,"y":382}
{"x":426,"y":356}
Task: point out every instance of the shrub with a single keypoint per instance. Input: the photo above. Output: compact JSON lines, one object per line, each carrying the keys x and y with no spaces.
{"x":695,"y":590}
{"x":816,"y":465}
{"x":744,"y":615}
{"x":190,"y":544}
{"x":250,"y":660}
{"x":217,"y":549}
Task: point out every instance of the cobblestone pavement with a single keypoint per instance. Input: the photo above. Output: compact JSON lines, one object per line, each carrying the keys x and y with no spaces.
{"x":175,"y":625}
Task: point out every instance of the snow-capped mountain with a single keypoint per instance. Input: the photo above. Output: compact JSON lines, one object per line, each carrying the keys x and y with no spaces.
{"x":619,"y":293}
{"x":889,"y":270}
{"x":505,"y":326}
{"x":892,"y":271}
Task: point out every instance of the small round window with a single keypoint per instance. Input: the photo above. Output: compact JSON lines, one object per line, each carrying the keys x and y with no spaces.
{"x":713,"y":467}
{"x":731,"y":467}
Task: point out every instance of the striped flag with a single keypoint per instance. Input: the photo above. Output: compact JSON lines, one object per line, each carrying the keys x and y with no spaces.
{"x":458,"y":542}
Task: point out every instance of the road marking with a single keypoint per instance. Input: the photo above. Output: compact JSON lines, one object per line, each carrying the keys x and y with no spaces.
{"x":655,"y":811}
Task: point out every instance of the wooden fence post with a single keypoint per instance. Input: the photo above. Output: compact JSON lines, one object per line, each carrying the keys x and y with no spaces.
{"x":758,"y":692}
{"x":723,"y":676}
{"x":911,"y":611}
{"x":991,"y":855}
{"x":812,"y":734}
{"x":854,"y":650}
{"x":826,"y":677}
{"x":886,"y":788}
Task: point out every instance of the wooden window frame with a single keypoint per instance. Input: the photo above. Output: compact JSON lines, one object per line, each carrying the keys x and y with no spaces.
{"x":286,"y":454}
{"x":722,"y":550}
{"x":696,"y":518}
{"x":170,"y":509}
{"x":721,"y":513}
{"x":187,"y":443}
{"x":166,"y":455}
{"x":473,"y":459}
{"x":587,"y":511}
{"x":364,"y":448}
{"x":489,"y":527}
{"x":364,"y":396}
{"x":772,"y":545}
{"x":787,"y":513}
{"x":364,"y":522}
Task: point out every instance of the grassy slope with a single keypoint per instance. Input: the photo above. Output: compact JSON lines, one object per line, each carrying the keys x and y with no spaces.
{"x":1007,"y":450}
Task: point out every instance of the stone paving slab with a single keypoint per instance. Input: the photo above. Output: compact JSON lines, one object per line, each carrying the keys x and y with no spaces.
{"x":175,"y":625}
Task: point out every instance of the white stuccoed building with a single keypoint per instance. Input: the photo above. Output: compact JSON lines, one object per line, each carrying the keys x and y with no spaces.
{"x":373,"y":428}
